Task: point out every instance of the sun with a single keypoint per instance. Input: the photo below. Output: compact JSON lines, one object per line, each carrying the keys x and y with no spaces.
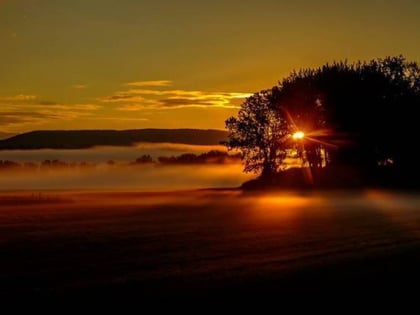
{"x":298,"y":135}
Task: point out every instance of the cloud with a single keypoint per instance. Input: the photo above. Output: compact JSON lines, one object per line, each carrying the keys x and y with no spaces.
{"x":202,"y":102}
{"x":82,"y":107}
{"x":182,"y":99}
{"x":18,"y":121}
{"x":79,"y":86}
{"x":120,"y":118}
{"x":21,"y":102}
{"x":157,"y":83}
{"x":18,"y":98}
{"x":26,"y":111}
{"x":12,"y":118}
{"x":46,"y":103}
{"x":7,"y":118}
{"x":139,"y":99}
{"x":121,"y":97}
{"x":131,"y":108}
{"x":51,"y":106}
{"x":186,"y":93}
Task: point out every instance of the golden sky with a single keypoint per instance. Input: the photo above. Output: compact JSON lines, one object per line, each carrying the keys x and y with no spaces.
{"x":123,"y":64}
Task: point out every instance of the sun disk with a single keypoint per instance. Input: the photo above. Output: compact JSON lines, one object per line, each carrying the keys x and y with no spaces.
{"x":298,"y":135}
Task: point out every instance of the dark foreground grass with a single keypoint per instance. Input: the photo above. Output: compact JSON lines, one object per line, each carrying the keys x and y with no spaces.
{"x":209,"y":246}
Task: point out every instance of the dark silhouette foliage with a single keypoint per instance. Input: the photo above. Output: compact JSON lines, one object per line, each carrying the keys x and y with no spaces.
{"x":259,"y":132}
{"x":369,"y":108}
{"x":9,"y":165}
{"x":361,"y":114}
{"x":144,"y":159}
{"x":211,"y":157}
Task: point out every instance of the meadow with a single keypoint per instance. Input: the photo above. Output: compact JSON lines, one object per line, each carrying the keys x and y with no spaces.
{"x":207,"y":244}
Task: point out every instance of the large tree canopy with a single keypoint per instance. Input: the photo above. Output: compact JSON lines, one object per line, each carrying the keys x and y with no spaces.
{"x":260,"y":132}
{"x":361,"y":113}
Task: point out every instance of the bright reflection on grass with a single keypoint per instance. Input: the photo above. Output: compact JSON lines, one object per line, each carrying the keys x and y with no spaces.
{"x":284,"y":206}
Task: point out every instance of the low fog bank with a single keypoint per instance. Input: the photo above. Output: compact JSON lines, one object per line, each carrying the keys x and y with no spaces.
{"x":103,"y":154}
{"x":149,"y":177}
{"x":146,"y":167}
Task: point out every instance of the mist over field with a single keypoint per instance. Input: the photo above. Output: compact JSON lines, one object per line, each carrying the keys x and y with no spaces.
{"x":147,"y":177}
{"x":210,"y":244}
{"x":140,"y":228}
{"x":121,"y":175}
{"x":104,"y":154}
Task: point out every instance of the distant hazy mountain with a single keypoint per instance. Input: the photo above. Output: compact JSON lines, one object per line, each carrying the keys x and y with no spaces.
{"x":81,"y":139}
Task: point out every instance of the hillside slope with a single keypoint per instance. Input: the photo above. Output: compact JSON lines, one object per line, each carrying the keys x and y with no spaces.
{"x":81,"y":139}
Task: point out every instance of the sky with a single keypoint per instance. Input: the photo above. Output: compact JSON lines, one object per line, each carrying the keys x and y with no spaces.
{"x":127,"y":64}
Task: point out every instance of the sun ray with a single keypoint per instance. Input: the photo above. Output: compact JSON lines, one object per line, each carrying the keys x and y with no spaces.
{"x":321,"y":142}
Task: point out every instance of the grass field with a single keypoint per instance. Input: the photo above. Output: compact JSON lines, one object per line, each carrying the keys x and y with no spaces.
{"x":208,"y":243}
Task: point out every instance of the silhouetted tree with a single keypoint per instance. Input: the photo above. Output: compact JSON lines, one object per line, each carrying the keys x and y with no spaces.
{"x":9,"y":165}
{"x":53,"y":164}
{"x":358,"y":114}
{"x":144,"y":159}
{"x":211,"y":157}
{"x":259,"y":132}
{"x":368,"y":108}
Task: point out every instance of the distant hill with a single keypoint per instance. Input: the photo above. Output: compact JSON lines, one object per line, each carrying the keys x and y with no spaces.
{"x":82,"y":139}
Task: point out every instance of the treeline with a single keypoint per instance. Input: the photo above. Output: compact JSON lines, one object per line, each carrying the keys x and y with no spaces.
{"x":47,"y":164}
{"x":211,"y":157}
{"x":359,"y":116}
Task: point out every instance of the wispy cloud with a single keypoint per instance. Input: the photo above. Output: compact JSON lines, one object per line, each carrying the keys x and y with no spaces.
{"x":50,"y":106}
{"x":131,"y":108}
{"x":71,"y":107}
{"x":82,"y":107}
{"x":139,"y":99}
{"x":18,"y":98}
{"x":27,"y":111}
{"x":185,"y":93}
{"x":122,"y":97}
{"x":139,"y":119}
{"x":13,"y":119}
{"x":199,"y":102}
{"x":79,"y":86}
{"x":157,"y":83}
